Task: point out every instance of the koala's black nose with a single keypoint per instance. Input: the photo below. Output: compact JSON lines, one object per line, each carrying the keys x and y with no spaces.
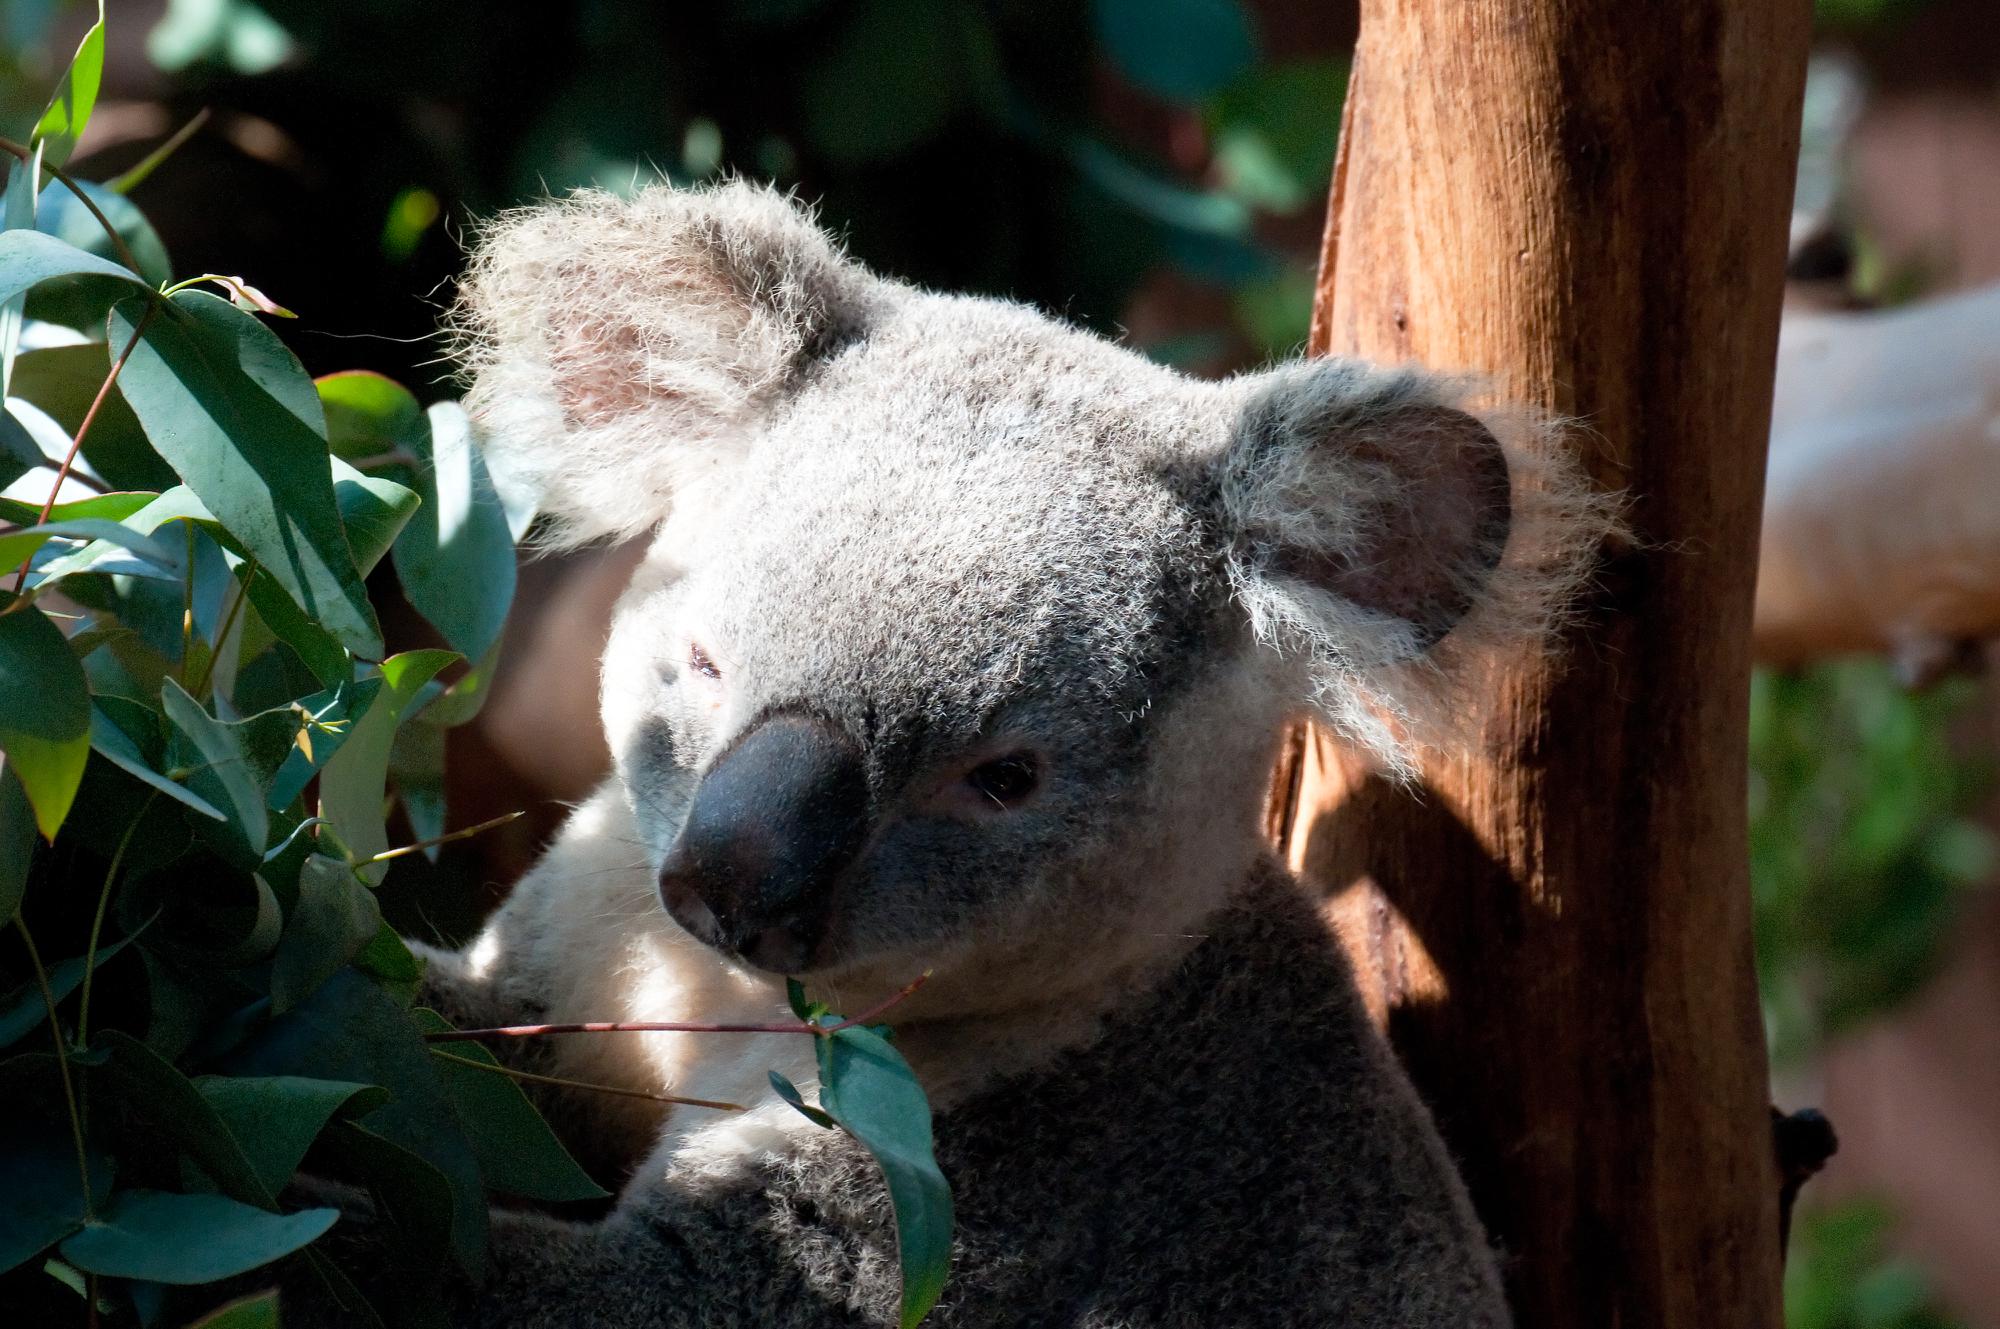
{"x":773,"y":824}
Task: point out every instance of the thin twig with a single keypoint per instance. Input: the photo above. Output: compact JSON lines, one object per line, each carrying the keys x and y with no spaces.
{"x":76,"y":444}
{"x":228,"y":622}
{"x":559,"y":1082}
{"x":62,"y":1063}
{"x":97,"y":921}
{"x":401,"y":850}
{"x":676,"y":1026}
{"x":26,"y":154}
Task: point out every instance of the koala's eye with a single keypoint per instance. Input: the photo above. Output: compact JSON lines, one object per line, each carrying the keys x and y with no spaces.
{"x":1007,"y":780}
{"x":699,"y":662}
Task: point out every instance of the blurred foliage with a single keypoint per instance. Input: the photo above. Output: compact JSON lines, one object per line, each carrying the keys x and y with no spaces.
{"x":1840,"y":1274}
{"x":1017,"y":147}
{"x":205,"y":745}
{"x":1862,"y":843}
{"x":1851,"y":14}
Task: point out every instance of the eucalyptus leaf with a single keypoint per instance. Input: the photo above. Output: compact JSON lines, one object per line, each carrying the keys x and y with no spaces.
{"x":518,"y":1153}
{"x":166,"y":1237}
{"x":29,"y":258}
{"x":63,"y":381}
{"x":1181,"y":49}
{"x":44,"y":711}
{"x":18,"y":545}
{"x":62,"y":124}
{"x":81,"y":304}
{"x":354,"y":784}
{"x":223,"y":765}
{"x":17,"y":212}
{"x":868,"y":1088}
{"x":259,"y":1310}
{"x":24,"y":1009}
{"x":17,"y":843}
{"x":126,"y":734}
{"x":44,"y":1189}
{"x":350,"y":1029}
{"x":333,"y":920}
{"x":231,"y":410}
{"x":456,"y":559}
{"x":276,"y":1118}
{"x":369,"y":415}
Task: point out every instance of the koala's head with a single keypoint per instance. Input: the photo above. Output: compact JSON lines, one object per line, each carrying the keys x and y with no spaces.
{"x":965,"y":634}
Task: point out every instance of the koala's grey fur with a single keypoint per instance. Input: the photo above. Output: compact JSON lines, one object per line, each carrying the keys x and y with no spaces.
{"x":949,"y":528}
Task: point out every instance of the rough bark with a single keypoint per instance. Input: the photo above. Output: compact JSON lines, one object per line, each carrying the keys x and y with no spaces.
{"x":1586,"y":201}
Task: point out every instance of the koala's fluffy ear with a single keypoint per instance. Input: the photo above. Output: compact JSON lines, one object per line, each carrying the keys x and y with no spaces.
{"x":1390,"y":534}
{"x":615,"y":347}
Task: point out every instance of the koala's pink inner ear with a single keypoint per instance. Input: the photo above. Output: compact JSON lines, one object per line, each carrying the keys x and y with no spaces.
{"x":1429,"y":514}
{"x":600,"y":370}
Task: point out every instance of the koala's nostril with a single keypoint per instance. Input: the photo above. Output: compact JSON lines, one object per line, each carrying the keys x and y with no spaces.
{"x":682,"y":898}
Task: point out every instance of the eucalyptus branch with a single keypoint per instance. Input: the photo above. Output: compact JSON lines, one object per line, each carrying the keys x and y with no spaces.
{"x":26,"y":154}
{"x":559,"y":1082}
{"x":679,"y":1026}
{"x":89,"y":418}
{"x":62,"y":1063}
{"x":401,"y":851}
{"x":228,"y":622}
{"x":97,"y":920}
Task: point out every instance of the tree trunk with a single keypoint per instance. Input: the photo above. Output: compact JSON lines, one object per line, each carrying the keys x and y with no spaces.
{"x":1586,"y":201}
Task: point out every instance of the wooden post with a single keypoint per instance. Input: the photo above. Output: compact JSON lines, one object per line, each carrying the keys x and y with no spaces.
{"x":1585,"y":200}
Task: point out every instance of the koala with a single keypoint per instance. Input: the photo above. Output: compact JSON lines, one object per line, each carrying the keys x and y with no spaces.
{"x":964,"y":643}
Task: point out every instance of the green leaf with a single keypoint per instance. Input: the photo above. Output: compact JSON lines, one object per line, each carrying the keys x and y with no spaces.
{"x":275,"y":1118}
{"x":413,"y":1194}
{"x":69,"y":109}
{"x":24,"y":1009}
{"x":333,"y":715}
{"x":63,"y":381}
{"x":890,"y":81}
{"x":17,"y":843}
{"x":19,"y":453}
{"x":177,"y":1114}
{"x":868,"y":1088}
{"x":15,"y":546}
{"x":259,"y":1310}
{"x":1181,"y":49}
{"x":354,"y":785}
{"x":228,"y":764}
{"x":456,"y":560}
{"x":332,"y":922}
{"x":1274,"y":133}
{"x":29,"y":258}
{"x":45,"y":1202}
{"x":790,"y":1093}
{"x":44,"y":712}
{"x":112,"y":507}
{"x":350,"y":1029}
{"x":518,"y":1153}
{"x":368,"y":414}
{"x":81,"y":303}
{"x":17,"y":212}
{"x":374,"y":511}
{"x":229,"y":407}
{"x":126,"y":734}
{"x":168,"y":1238}
{"x":389,"y":958}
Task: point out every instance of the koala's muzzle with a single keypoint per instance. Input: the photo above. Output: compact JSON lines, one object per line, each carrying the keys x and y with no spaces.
{"x":774,"y":823}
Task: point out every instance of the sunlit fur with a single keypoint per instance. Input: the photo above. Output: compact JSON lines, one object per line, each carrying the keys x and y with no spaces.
{"x":949,"y":526}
